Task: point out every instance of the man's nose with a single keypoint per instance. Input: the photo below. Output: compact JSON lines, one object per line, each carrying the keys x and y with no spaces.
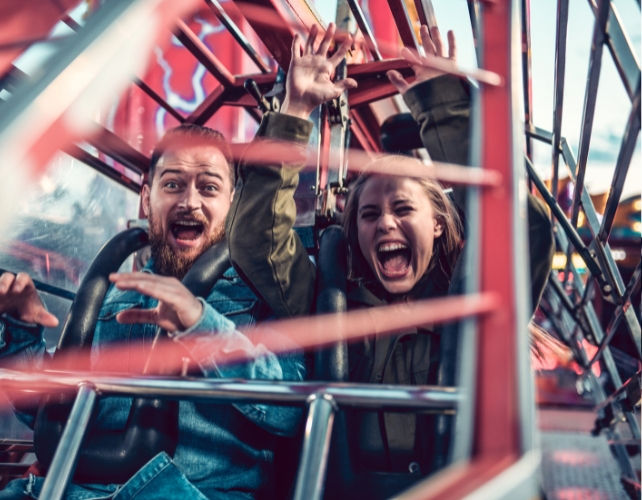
{"x":192,"y":199}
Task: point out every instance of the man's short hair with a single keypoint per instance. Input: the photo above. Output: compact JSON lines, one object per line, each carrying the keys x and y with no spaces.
{"x":192,"y":132}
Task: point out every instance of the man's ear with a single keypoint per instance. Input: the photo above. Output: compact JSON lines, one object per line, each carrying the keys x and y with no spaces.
{"x":144,"y":198}
{"x":232,"y":195}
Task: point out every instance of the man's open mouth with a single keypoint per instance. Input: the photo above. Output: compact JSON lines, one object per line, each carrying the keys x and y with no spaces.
{"x":187,"y":230}
{"x":394,"y":258}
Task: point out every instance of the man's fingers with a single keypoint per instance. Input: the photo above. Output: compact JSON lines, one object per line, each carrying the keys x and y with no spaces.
{"x":436,"y":39}
{"x":129,"y":316}
{"x":312,"y":38}
{"x":46,"y":319}
{"x":327,"y":40}
{"x":21,"y":282}
{"x":338,"y":56}
{"x":141,"y":277}
{"x":6,"y":280}
{"x":397,"y":81}
{"x":452,"y":45}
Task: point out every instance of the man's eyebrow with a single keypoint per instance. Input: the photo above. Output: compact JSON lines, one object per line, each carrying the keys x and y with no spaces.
{"x":170,"y":171}
{"x":211,"y":174}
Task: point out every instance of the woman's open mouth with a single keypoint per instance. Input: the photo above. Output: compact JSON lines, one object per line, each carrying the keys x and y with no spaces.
{"x":394,"y":259}
{"x":187,"y":231}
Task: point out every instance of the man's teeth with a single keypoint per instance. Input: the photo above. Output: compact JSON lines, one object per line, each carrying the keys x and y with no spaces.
{"x":391,"y":247}
{"x":188,"y":223}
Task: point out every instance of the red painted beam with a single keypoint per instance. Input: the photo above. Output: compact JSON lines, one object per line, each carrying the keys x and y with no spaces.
{"x":373,"y":82}
{"x":204,"y":55}
{"x":404,"y":26}
{"x":27,"y":19}
{"x":275,"y":22}
{"x":110,"y":144}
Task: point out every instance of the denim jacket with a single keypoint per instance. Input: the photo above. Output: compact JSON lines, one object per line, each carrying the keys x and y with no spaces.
{"x":219,"y":452}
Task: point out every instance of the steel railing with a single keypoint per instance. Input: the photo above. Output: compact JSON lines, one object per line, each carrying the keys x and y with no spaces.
{"x":322,"y":400}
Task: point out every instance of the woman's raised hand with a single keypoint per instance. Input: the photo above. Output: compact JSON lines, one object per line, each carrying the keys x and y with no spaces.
{"x":309,"y":81}
{"x":434,"y":47}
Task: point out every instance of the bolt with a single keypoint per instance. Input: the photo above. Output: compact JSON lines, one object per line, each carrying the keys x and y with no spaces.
{"x":607,"y":289}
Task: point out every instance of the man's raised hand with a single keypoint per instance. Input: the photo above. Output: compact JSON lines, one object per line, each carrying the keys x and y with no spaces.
{"x":19,"y":299}
{"x":177,"y":308}
{"x":433,"y":47}
{"x":309,"y":82}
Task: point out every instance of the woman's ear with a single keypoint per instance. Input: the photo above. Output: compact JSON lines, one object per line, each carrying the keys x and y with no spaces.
{"x":438,"y":229}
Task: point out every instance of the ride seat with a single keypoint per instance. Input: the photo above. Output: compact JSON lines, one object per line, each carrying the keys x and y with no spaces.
{"x":346,"y":477}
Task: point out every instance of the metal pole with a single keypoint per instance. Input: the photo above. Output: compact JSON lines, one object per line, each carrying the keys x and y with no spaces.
{"x":316,"y":443}
{"x":558,"y":99}
{"x":64,"y":460}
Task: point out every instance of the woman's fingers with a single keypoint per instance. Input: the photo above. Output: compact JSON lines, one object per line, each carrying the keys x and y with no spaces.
{"x":312,"y":38}
{"x":437,"y":41}
{"x":398,"y":81}
{"x":327,"y":40}
{"x":411,"y":57}
{"x":338,"y":56}
{"x":296,"y":46}
{"x":452,"y":46}
{"x":426,"y":41}
{"x":345,"y":84}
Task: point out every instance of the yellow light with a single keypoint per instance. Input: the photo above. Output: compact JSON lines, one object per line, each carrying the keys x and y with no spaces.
{"x":580,"y":219}
{"x":637,"y":204}
{"x":578,"y":262}
{"x":559,"y":260}
{"x":637,"y":227}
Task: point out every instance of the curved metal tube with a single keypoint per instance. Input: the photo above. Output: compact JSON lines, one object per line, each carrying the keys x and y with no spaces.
{"x":152,"y":425}
{"x":331,"y":363}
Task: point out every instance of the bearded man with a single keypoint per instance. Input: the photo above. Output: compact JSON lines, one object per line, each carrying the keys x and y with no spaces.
{"x":224,"y":451}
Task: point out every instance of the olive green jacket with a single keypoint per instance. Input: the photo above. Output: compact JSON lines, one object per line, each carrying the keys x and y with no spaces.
{"x":268,"y":253}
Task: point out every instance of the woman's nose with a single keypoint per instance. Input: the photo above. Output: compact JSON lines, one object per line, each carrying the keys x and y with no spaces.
{"x":386,"y":223}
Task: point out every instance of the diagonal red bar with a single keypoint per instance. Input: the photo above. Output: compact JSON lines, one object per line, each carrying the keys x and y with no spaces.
{"x":112,"y":145}
{"x":204,"y":55}
{"x":404,"y":26}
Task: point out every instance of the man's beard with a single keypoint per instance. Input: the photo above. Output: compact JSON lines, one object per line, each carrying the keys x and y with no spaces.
{"x":167,"y":261}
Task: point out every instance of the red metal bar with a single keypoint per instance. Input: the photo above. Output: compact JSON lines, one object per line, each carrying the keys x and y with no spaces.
{"x":404,"y":25}
{"x":496,"y":425}
{"x":204,"y":55}
{"x":210,"y":105}
{"x":313,"y":331}
{"x":275,"y":25}
{"x":373,"y":82}
{"x":112,"y":145}
{"x":159,"y":100}
{"x":27,"y":19}
{"x":276,"y":22}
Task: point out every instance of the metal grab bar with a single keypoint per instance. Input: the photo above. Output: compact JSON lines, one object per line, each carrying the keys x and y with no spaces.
{"x":322,"y":401}
{"x":384,"y":397}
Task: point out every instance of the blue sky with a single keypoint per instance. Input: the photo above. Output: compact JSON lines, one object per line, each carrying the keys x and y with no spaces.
{"x":613,"y":105}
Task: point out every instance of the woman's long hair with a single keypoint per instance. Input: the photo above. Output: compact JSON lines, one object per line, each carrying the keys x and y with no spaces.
{"x":446,"y":247}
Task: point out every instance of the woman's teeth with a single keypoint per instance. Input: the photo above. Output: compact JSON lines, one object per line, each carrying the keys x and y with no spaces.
{"x":391,"y":247}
